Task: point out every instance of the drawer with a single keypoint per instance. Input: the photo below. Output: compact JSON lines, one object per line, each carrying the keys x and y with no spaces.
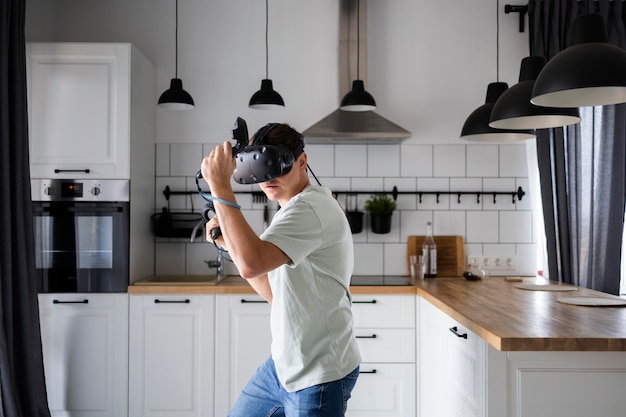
{"x":462,"y":339}
{"x":387,"y":345}
{"x":384,"y":311}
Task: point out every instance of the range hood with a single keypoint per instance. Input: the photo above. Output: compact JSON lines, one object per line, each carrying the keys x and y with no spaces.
{"x":355,"y":127}
{"x":346,"y":126}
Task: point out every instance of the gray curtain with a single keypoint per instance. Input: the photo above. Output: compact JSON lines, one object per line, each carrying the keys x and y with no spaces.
{"x":582,"y":168}
{"x":22,"y":387}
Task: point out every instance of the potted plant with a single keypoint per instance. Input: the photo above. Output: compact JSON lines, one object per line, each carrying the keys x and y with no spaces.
{"x":380,"y":208}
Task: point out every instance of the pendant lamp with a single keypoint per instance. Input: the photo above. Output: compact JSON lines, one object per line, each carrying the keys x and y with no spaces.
{"x":513,"y":110}
{"x":590,"y":72}
{"x":176,"y":98}
{"x":476,"y":127}
{"x":358,"y":99}
{"x":266,"y":97}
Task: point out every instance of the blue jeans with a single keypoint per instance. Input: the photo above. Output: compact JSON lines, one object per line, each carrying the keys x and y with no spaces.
{"x":264,"y":396}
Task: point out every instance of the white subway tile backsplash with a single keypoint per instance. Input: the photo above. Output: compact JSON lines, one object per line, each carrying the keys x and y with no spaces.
{"x":482,"y":226}
{"x":185,"y":159}
{"x":395,"y":259}
{"x":482,"y":160}
{"x":351,"y":160}
{"x":516,"y":226}
{"x":321,"y":159}
{"x":368,"y":259}
{"x":382,"y":160}
{"x":416,"y":160}
{"x":487,"y":228}
{"x":449,"y":223}
{"x":449,"y":160}
{"x":513,"y":160}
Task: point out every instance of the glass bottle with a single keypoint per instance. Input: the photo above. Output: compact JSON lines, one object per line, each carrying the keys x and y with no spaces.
{"x":429,"y":253}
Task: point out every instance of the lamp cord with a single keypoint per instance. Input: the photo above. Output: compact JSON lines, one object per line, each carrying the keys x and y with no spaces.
{"x":176,"y":39}
{"x":498,"y":40}
{"x":358,"y":38}
{"x":266,"y":40}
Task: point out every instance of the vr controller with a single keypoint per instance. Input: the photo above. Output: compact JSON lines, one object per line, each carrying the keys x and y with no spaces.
{"x":240,"y":134}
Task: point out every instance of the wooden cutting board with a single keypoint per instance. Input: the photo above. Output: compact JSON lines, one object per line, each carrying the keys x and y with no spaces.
{"x":450,"y":254}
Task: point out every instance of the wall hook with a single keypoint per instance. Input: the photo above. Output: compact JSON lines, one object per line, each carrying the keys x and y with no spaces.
{"x":458,"y":198}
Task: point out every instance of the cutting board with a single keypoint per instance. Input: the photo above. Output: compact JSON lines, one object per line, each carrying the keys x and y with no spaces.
{"x":450,"y":254}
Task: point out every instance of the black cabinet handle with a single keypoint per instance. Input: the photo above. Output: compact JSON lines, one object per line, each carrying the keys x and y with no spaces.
{"x":373,"y":371}
{"x":243,"y":301}
{"x":366,"y":337}
{"x":186,"y":301}
{"x":364,"y":302}
{"x":70,"y":302}
{"x":58,"y":171}
{"x":455,"y":331}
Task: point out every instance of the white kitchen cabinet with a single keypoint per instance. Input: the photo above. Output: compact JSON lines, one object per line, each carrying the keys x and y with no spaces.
{"x":85,"y":352}
{"x":91,"y":107}
{"x":171,"y":355}
{"x":242,"y":344}
{"x":385,"y":331}
{"x":452,"y":366}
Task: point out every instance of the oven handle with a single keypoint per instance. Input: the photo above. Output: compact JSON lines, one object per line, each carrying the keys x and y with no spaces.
{"x":92,"y":209}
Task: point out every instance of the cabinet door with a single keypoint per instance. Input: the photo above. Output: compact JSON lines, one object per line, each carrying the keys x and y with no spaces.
{"x":171,"y":355}
{"x":85,"y":351}
{"x":79,"y":110}
{"x":243,"y":342}
{"x":384,"y":390}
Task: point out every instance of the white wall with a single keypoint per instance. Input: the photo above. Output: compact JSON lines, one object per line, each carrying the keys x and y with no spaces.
{"x":429,"y":63}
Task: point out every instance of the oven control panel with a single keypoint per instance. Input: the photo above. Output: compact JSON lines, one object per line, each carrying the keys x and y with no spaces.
{"x":80,"y":190}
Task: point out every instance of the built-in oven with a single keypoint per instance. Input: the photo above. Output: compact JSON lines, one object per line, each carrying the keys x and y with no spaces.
{"x":81,"y":235}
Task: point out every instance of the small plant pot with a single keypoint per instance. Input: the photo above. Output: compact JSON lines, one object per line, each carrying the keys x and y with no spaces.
{"x":355,"y":218}
{"x":381,"y":223}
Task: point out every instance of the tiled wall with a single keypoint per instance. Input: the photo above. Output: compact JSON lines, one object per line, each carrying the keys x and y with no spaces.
{"x":498,"y":228}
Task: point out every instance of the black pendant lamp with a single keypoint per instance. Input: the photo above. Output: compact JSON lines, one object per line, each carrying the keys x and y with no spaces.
{"x":176,"y":98}
{"x":590,"y":72}
{"x":513,"y":110}
{"x":476,"y":127}
{"x":266,"y":97}
{"x":358,"y":99}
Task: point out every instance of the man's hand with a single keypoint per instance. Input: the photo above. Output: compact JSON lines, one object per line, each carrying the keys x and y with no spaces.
{"x":218,"y":167}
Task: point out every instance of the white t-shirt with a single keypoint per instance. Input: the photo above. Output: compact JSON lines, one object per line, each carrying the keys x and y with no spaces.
{"x":311,"y":318}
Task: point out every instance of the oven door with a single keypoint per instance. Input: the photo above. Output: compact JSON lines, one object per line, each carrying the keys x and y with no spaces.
{"x":81,"y":246}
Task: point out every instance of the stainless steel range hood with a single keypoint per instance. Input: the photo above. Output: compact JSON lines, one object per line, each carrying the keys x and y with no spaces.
{"x":355,"y":127}
{"x":347,"y":126}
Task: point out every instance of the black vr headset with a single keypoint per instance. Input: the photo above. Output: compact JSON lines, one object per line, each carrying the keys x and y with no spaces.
{"x":260,"y":162}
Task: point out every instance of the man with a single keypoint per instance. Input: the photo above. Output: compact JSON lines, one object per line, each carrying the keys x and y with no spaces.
{"x":302,"y":265}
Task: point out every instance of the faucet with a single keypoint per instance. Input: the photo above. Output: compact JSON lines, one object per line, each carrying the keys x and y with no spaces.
{"x":218,"y":264}
{"x":195,"y":229}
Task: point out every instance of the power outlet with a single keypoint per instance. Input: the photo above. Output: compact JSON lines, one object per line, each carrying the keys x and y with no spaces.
{"x":491,"y":262}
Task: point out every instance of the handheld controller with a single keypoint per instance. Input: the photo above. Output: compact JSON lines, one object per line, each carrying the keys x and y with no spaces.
{"x":240,"y":134}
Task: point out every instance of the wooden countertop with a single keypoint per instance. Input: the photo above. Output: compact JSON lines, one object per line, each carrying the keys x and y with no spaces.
{"x":508,"y":318}
{"x":238,"y":285}
{"x":513,"y":319}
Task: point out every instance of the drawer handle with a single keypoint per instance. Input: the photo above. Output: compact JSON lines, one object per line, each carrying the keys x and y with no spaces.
{"x":366,"y":337}
{"x":373,"y":371}
{"x":58,"y":170}
{"x":70,"y":302}
{"x":186,"y":301}
{"x":243,"y":300}
{"x":364,"y":302}
{"x":455,"y":331}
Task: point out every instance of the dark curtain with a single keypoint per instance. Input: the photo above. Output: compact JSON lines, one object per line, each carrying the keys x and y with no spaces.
{"x":22,"y":386}
{"x":582,"y":167}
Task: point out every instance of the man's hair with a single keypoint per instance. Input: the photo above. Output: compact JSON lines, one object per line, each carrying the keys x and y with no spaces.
{"x":278,"y":134}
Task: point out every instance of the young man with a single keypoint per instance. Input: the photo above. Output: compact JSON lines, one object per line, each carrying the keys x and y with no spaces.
{"x":302,"y":265}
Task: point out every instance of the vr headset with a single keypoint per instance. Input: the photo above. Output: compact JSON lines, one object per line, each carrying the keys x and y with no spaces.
{"x":259,"y":162}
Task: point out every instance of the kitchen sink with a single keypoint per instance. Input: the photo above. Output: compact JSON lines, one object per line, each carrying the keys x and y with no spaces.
{"x":181,"y":280}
